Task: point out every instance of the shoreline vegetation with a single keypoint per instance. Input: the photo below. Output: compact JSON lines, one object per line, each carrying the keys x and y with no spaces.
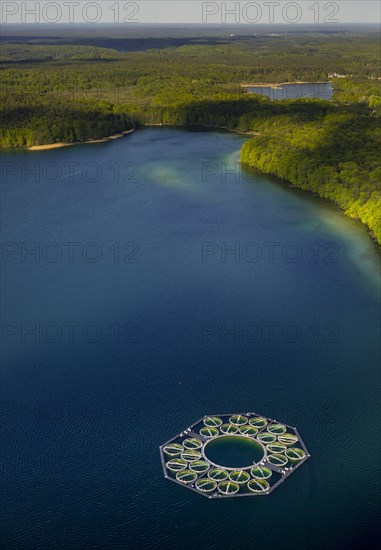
{"x":278,"y":85}
{"x":60,"y":144}
{"x":208,"y":126}
{"x":63,"y":94}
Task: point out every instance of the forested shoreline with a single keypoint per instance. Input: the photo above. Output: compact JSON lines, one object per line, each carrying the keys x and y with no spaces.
{"x":336,"y":157}
{"x":70,"y":94}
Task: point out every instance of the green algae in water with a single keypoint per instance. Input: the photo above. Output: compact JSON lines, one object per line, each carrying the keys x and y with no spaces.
{"x":266,"y":438}
{"x":206,"y":485}
{"x":239,"y":476}
{"x":217,"y":474}
{"x":192,"y":443}
{"x":248,"y":430}
{"x":276,"y":448}
{"x":277,"y":429}
{"x":176,"y":464}
{"x":238,"y":419}
{"x":173,"y":449}
{"x":209,"y":432}
{"x":287,"y":439}
{"x":191,"y":455}
{"x":258,"y":485}
{"x":212,"y":421}
{"x":229,"y":429}
{"x":295,"y":454}
{"x":258,"y":422}
{"x":234,"y":451}
{"x":277,"y":459}
{"x":186,"y":476}
{"x":260,"y":472}
{"x":199,"y":466}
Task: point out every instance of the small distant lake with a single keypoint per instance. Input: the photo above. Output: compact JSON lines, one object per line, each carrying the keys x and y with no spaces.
{"x":322,"y":90}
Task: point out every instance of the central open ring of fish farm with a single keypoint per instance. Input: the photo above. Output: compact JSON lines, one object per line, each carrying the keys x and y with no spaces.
{"x":230,"y":455}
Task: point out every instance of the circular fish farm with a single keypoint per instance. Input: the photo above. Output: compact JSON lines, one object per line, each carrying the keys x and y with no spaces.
{"x":233,"y":455}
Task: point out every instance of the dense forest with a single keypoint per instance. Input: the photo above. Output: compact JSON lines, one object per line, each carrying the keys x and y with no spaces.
{"x":336,"y":155}
{"x":74,"y":92}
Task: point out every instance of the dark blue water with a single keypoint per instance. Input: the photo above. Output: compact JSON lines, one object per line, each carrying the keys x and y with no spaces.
{"x":143,"y":287}
{"x":321,"y":90}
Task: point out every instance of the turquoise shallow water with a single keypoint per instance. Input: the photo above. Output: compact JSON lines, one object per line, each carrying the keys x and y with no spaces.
{"x":146,"y":287}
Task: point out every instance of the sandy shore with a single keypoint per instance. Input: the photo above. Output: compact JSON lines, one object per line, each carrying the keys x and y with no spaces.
{"x":64,"y":144}
{"x":117,"y":136}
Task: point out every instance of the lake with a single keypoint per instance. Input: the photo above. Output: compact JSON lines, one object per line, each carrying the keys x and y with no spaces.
{"x":149,"y":281}
{"x":318,"y":90}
